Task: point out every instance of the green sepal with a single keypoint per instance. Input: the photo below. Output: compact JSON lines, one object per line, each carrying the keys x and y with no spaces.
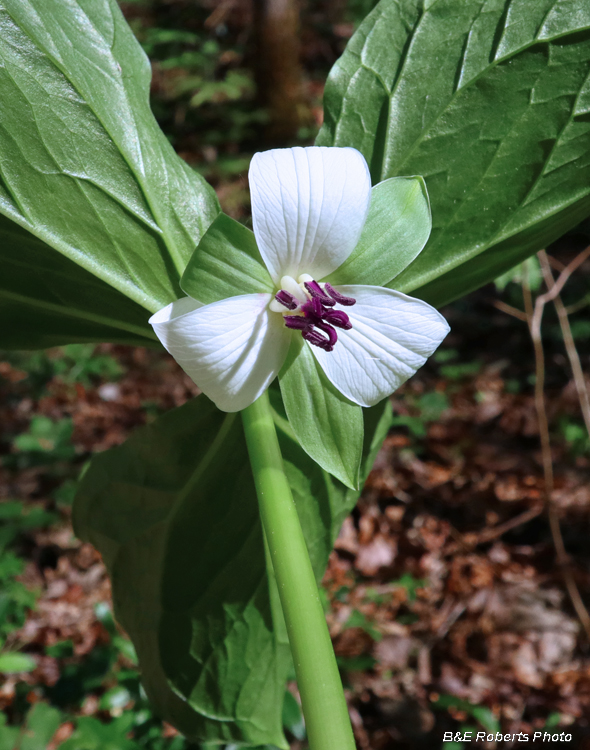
{"x":397,"y":228}
{"x":328,"y":427}
{"x":226,"y":263}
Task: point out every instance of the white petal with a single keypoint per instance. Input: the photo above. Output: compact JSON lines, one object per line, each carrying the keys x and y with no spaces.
{"x":309,"y":206}
{"x":392,"y":336}
{"x":232,"y":349}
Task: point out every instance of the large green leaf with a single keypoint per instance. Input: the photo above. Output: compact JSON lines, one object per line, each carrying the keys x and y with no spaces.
{"x":46,"y":300}
{"x":86,"y":169}
{"x":490,"y":101}
{"x":180,"y":535}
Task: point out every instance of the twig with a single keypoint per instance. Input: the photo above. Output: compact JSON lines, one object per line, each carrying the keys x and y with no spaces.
{"x":469,"y":541}
{"x":557,"y":265}
{"x":579,"y":305}
{"x":512,"y":523}
{"x":550,"y":295}
{"x":570,"y":344}
{"x":514,"y":311}
{"x":535,"y":315}
{"x":448,"y":614}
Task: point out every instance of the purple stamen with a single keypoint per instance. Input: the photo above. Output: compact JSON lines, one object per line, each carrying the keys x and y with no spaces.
{"x":339,"y":298}
{"x":313,"y":337}
{"x":332,"y":335}
{"x":317,"y":292}
{"x":313,"y":309}
{"x":318,"y":314}
{"x":338,"y":318}
{"x":297,"y":322}
{"x":286,"y":299}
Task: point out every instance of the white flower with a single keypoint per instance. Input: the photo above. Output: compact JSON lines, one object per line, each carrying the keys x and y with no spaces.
{"x":309,"y":206}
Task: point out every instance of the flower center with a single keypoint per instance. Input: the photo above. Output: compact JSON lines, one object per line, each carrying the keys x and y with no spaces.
{"x":308,"y":307}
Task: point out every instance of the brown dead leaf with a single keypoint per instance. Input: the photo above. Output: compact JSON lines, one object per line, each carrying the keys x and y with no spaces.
{"x":379,"y":553}
{"x":393,"y":651}
{"x":509,"y":489}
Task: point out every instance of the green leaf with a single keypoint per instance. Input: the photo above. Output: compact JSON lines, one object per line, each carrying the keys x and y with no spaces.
{"x":13,"y":662}
{"x":42,"y":723}
{"x":45,"y":436}
{"x":86,"y":169}
{"x":8,"y":735}
{"x":328,"y":427}
{"x":47,"y":300}
{"x":115,"y":699}
{"x":482,"y":714}
{"x":486,"y":718}
{"x":92,"y":734}
{"x":500,"y":258}
{"x":359,"y":620}
{"x":226,"y":263}
{"x":528,"y":271}
{"x":181,"y":537}
{"x":397,"y":228}
{"x":292,"y":717}
{"x":491,"y":103}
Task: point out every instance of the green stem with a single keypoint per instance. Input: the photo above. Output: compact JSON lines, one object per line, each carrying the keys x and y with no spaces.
{"x":324,"y":706}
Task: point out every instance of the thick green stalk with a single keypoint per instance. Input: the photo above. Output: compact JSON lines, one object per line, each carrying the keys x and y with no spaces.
{"x":324,"y":706}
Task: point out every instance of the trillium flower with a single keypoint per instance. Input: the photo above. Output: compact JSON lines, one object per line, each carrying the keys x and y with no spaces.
{"x":309,"y":206}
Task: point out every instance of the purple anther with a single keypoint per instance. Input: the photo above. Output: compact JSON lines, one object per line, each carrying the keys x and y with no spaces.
{"x":297,"y":322}
{"x":331,"y":333}
{"x":339,"y":298}
{"x":338,"y":318}
{"x":318,"y":317}
{"x":313,"y":337}
{"x":317,"y":292}
{"x":287,"y":299}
